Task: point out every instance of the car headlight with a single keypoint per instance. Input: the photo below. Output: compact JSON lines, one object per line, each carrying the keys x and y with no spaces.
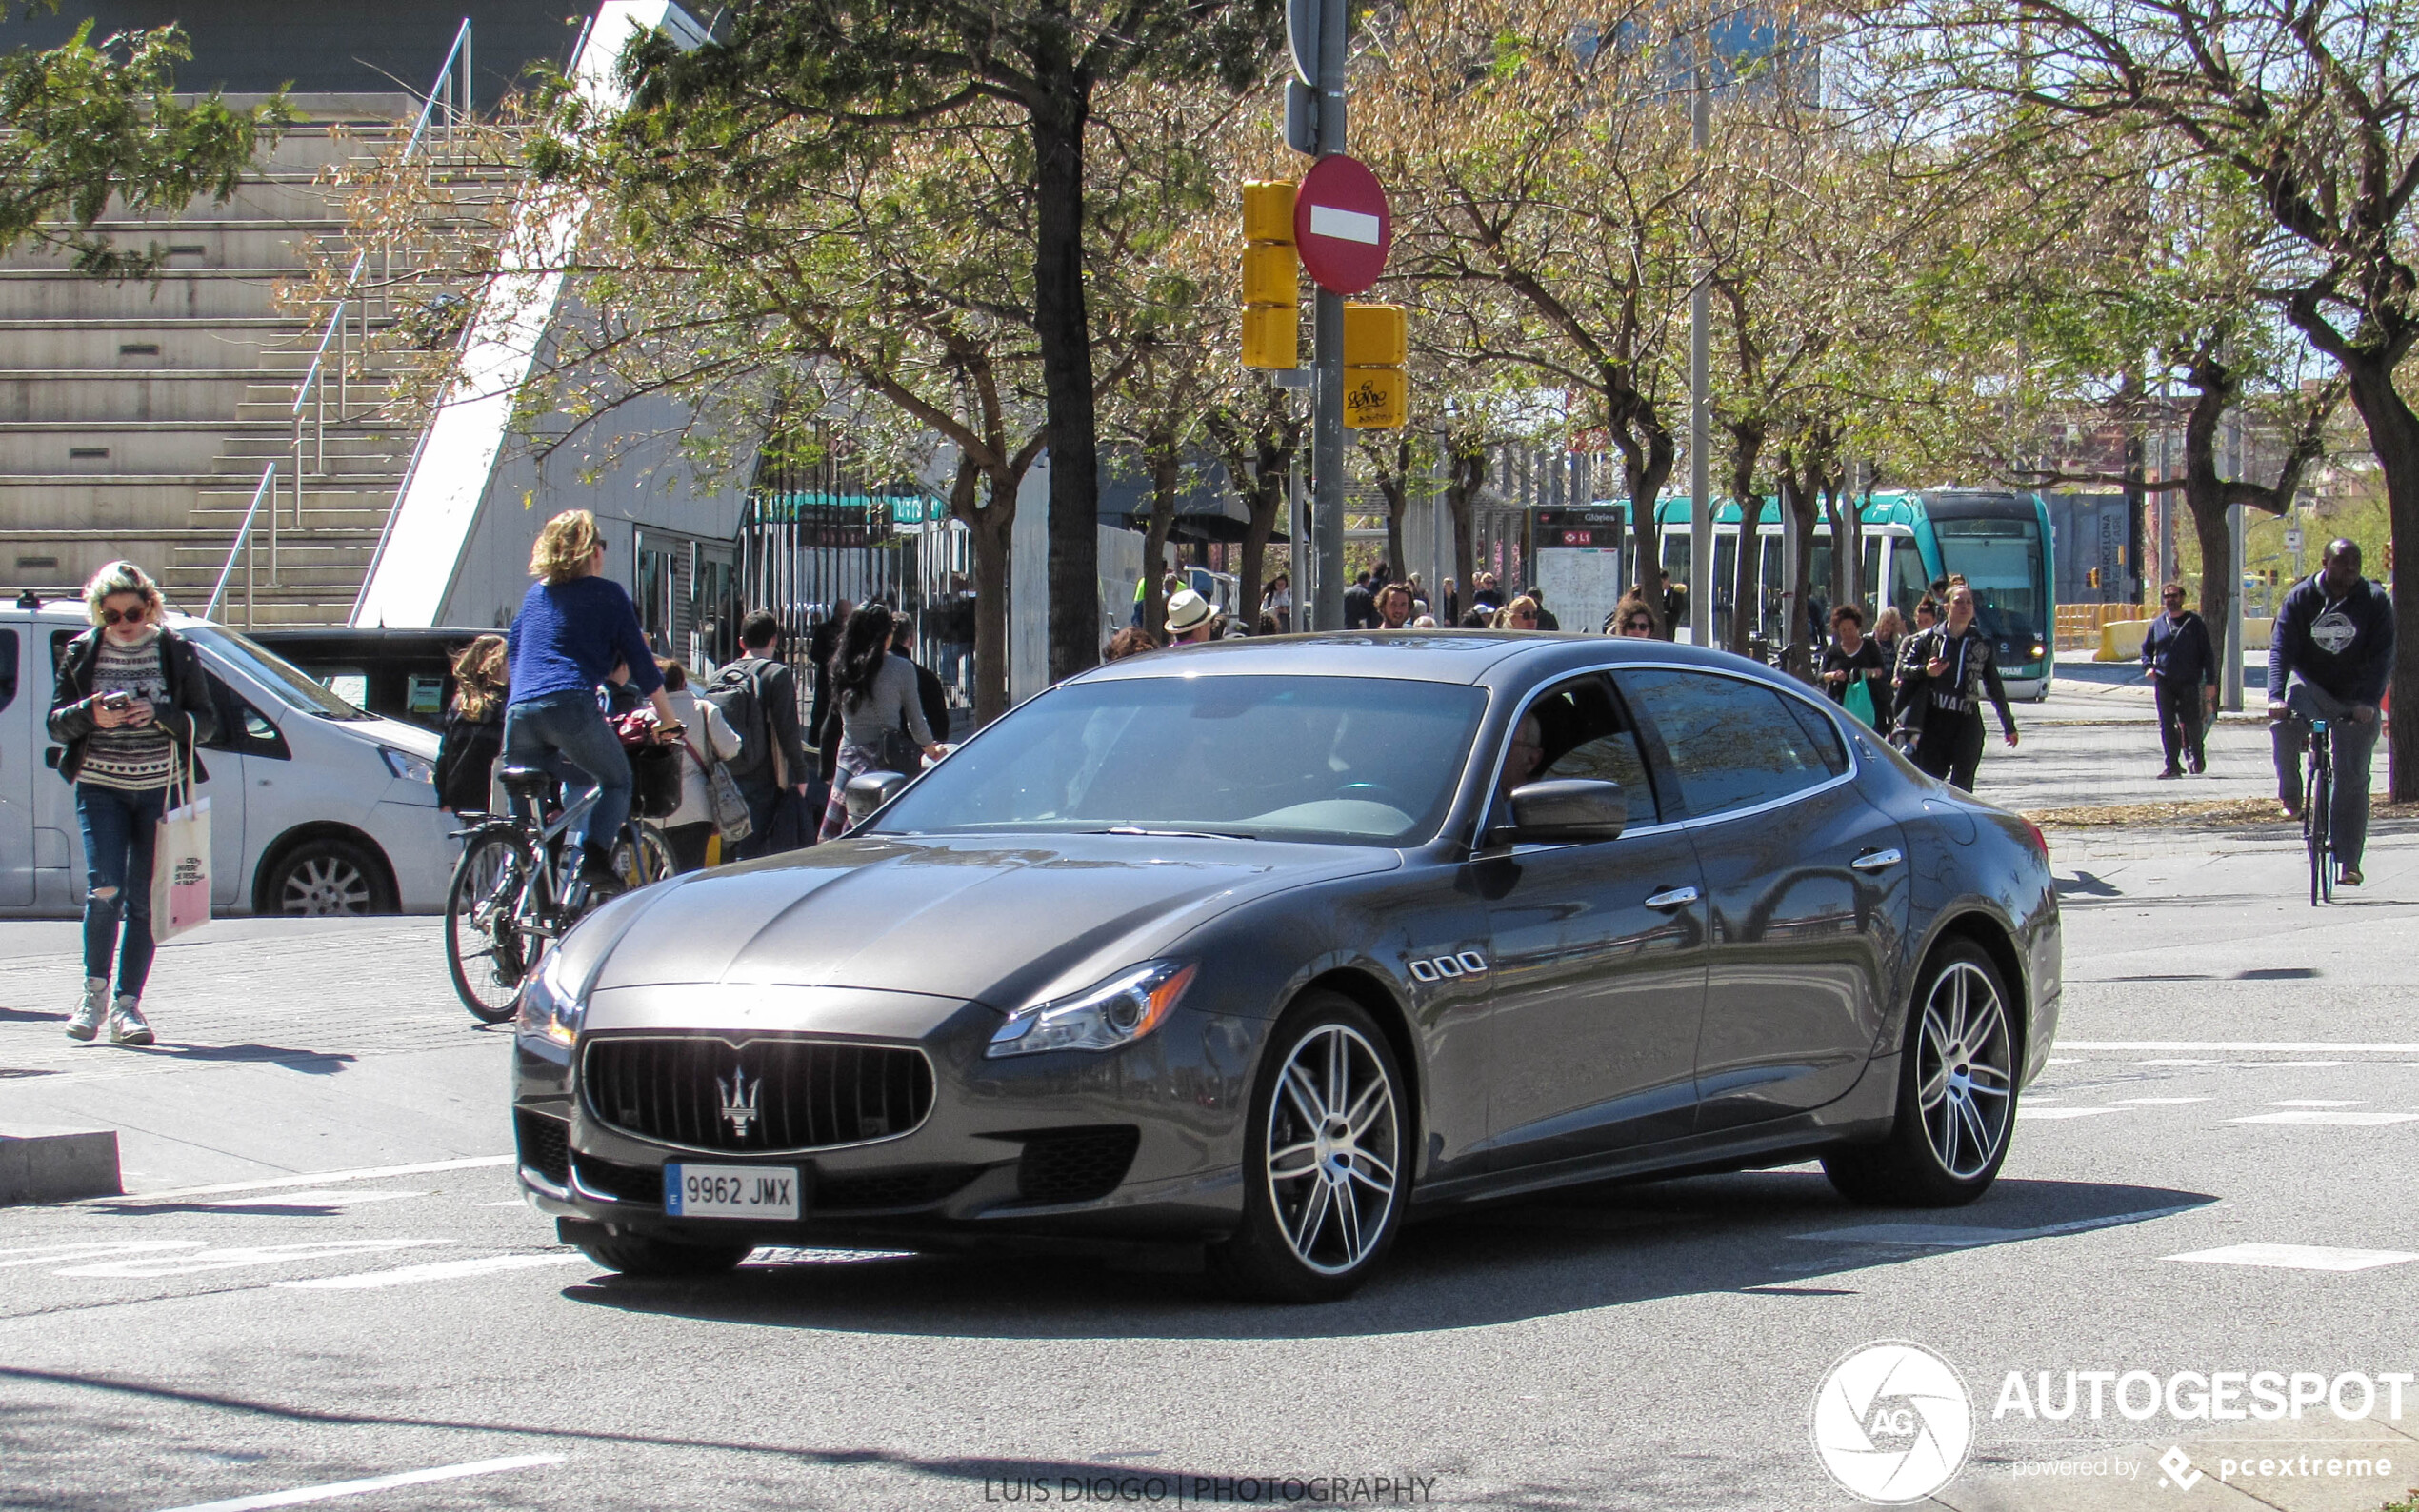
{"x":551,"y":1006}
{"x":407,"y":767}
{"x":1115,"y":1012}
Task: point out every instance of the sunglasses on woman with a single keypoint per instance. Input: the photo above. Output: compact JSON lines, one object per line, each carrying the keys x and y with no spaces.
{"x":1639,"y":624}
{"x":124,"y":616}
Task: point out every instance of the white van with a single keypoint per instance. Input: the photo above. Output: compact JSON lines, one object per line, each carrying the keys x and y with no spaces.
{"x":317,"y":806}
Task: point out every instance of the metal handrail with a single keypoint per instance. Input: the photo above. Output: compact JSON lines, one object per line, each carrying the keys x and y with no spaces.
{"x":268,"y":490}
{"x":311,"y":394}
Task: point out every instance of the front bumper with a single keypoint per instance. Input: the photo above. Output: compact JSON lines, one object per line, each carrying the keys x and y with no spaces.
{"x":1140,"y":1144}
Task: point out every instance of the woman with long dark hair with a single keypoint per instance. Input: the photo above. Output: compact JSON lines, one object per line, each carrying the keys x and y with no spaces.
{"x":872,"y":693}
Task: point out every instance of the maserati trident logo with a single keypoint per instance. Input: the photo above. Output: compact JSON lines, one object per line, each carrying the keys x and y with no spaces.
{"x":739,"y":1097}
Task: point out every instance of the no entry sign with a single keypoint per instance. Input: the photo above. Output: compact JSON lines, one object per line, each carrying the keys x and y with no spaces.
{"x":1341,"y":226}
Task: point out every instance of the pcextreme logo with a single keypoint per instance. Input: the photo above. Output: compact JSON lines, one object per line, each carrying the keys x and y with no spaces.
{"x":1893,"y":1423}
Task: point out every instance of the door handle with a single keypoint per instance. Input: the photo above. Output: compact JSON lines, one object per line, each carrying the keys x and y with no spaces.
{"x":1673,"y":898}
{"x":1876,"y":861}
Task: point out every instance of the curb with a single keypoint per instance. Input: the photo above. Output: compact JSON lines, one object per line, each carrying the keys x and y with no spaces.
{"x":42,"y":1165}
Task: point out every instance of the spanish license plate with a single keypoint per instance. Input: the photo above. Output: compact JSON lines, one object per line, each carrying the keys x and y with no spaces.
{"x":730,"y":1191}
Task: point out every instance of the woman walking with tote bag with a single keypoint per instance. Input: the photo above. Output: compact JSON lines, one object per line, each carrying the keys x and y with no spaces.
{"x":131,"y":705}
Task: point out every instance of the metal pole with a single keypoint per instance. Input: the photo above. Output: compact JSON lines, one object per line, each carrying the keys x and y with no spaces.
{"x":2230,"y":688}
{"x":1701,"y":584}
{"x":1327,"y":427}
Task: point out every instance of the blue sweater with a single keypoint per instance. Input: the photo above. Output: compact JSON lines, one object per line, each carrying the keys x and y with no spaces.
{"x":2346,"y":648}
{"x":569,"y":635}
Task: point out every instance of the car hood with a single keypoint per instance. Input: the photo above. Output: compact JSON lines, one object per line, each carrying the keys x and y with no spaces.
{"x":1004,"y":920}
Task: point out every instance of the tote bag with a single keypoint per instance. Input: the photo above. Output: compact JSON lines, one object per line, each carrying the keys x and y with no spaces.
{"x":1859,"y":700}
{"x":180,"y":863}
{"x":724,"y":801}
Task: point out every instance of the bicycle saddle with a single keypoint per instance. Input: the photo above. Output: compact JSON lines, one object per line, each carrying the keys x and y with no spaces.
{"x":524,"y":779}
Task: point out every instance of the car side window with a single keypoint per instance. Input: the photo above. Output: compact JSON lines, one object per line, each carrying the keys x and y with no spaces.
{"x":9,"y":649}
{"x":241,"y":727}
{"x":1822,"y":732}
{"x":1586,"y":733}
{"x":1731,"y":743}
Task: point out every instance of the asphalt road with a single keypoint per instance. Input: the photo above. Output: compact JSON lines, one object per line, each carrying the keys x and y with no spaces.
{"x":354,"y":1294}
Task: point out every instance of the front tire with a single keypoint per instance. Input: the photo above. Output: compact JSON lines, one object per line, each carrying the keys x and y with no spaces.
{"x":327,"y":877}
{"x":1956,"y":1093}
{"x":1326,"y":1157}
{"x":660,"y":1259}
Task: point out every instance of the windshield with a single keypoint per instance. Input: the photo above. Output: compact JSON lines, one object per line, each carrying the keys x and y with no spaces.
{"x":1361,"y":761}
{"x":287,"y":682}
{"x":2001,"y":559}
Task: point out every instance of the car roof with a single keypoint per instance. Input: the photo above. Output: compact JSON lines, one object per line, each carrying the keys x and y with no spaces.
{"x":1475,"y":658}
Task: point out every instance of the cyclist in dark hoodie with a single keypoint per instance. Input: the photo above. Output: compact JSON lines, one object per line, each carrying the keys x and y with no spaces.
{"x":2328,"y":658}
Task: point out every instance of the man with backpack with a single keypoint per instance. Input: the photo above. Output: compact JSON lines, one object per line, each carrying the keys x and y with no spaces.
{"x":757,"y":694}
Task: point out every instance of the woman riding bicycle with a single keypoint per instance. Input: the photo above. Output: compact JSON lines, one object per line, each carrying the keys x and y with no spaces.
{"x":573,"y":627}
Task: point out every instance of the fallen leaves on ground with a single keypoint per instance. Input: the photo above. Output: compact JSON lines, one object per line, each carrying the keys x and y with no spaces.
{"x":2201,"y":813}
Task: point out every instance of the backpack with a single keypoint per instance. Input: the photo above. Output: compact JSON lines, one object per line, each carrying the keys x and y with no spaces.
{"x":734,"y":691}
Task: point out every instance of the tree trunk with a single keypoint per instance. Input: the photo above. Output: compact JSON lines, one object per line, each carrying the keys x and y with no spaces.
{"x":1746,"y":564}
{"x":1466,"y":475}
{"x":1647,"y":448}
{"x":2393,"y":435}
{"x":1273,"y":469}
{"x":990,"y":530}
{"x":1798,"y":495}
{"x":2204,"y":494}
{"x":1165,"y":476}
{"x":1063,"y":327}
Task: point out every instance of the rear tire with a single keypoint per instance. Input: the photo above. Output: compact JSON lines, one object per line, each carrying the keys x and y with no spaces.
{"x":486,"y":953}
{"x":646,"y":861}
{"x":661,"y":1259}
{"x":1956,"y":1093}
{"x":1325,"y":1159}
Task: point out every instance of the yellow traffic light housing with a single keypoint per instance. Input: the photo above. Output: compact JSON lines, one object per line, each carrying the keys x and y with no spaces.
{"x":1271,"y":278}
{"x":1377,"y":344}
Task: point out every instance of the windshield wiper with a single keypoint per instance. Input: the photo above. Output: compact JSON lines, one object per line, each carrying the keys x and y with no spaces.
{"x":1169,"y":834}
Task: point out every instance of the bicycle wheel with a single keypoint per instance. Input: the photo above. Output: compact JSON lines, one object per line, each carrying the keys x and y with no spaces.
{"x":641,"y":855}
{"x":486,"y":951}
{"x":2316,"y":799}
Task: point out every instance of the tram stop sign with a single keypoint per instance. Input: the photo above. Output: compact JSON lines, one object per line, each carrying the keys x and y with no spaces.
{"x":1341,"y":226}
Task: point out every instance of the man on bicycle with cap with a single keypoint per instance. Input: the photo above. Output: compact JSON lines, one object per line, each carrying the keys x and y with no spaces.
{"x":2328,"y":658}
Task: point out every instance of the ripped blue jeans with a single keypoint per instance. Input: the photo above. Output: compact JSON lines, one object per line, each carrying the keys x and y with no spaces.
{"x":120,"y":829}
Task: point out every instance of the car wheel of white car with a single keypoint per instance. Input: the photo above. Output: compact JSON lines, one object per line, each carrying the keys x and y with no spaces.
{"x":1326,"y":1163}
{"x":327,"y":876}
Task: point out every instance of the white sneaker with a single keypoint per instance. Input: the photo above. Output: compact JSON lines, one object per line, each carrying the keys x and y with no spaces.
{"x":86,"y":1022}
{"x":127,"y":1023}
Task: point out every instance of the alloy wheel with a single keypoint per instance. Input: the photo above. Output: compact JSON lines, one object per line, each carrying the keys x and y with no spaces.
{"x":1965,"y":1073}
{"x":319,"y":885}
{"x":1333,"y":1149}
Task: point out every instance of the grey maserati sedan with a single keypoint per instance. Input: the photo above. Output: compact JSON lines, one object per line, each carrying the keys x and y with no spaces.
{"x":1261,"y":947}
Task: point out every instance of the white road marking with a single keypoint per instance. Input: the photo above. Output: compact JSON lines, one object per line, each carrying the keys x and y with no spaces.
{"x":239,"y":1257}
{"x":2337,"y":1119}
{"x":2162,"y":1100}
{"x":2297,"y":1256}
{"x":508,"y":1202}
{"x":2316,"y":1101}
{"x":317,"y":1199}
{"x":2254,"y":1064}
{"x":2064,"y":1060}
{"x":382,"y":1482}
{"x":2238,"y":1046}
{"x":1344,"y":226}
{"x":1955,"y":1236}
{"x":2023,"y":1113}
{"x":441,"y":1270}
{"x":369,"y":1174}
{"x":2179,"y":1063}
{"x":53,"y":1253}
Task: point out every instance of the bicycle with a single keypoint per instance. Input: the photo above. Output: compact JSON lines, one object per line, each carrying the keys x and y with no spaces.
{"x":503,"y":909}
{"x":2318,"y":794}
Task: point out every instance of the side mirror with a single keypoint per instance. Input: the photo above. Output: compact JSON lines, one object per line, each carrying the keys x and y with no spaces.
{"x":1568,"y":809}
{"x":867,"y":791}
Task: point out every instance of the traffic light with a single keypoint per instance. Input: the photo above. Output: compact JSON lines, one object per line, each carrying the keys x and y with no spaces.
{"x":1271,"y":277}
{"x":1376,"y":343}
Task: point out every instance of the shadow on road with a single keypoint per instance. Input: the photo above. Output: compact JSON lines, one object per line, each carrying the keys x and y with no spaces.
{"x":311,"y":1063}
{"x":1767,"y":1233}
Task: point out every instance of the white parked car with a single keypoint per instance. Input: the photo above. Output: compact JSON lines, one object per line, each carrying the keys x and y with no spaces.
{"x":317,"y":806}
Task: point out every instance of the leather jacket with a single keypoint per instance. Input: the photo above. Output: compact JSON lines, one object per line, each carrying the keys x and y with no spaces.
{"x":191,"y":719}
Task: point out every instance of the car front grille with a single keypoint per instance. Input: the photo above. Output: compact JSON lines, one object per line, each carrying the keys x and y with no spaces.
{"x":702,"y":1092}
{"x":1076,"y":1165}
{"x":545,"y":1145}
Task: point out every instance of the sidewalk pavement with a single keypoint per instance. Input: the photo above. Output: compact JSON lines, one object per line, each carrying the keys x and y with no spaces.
{"x":286,"y":1046}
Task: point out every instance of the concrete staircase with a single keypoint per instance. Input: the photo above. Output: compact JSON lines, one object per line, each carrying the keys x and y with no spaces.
{"x":136,"y":418}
